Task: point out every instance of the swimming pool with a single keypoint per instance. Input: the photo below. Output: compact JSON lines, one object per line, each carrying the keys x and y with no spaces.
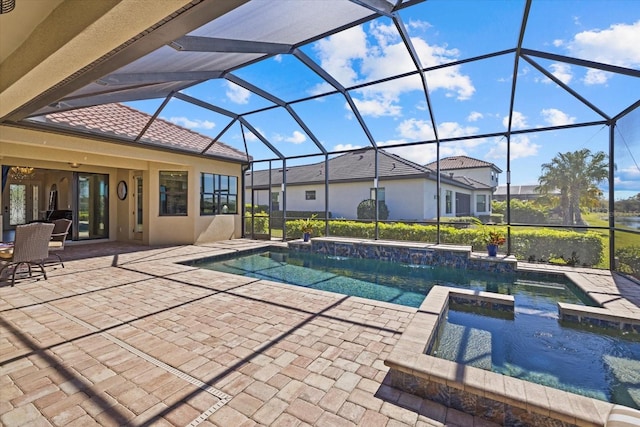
{"x":397,"y":283}
{"x":532,"y":344}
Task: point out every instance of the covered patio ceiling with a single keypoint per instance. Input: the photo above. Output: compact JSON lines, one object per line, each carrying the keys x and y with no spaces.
{"x":285,"y":79}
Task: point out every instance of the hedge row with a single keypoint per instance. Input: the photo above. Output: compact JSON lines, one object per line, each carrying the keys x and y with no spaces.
{"x":277,"y":216}
{"x":629,"y":259}
{"x":529,"y":245}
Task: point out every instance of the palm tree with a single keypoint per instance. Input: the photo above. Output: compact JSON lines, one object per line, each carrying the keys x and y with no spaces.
{"x":576,"y":174}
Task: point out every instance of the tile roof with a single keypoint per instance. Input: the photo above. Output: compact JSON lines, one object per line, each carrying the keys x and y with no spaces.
{"x":461,"y":162}
{"x":126,"y":123}
{"x":472,"y":182}
{"x":354,"y":166}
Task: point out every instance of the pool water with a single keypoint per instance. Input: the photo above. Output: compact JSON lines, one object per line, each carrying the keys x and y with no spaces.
{"x":533,"y":345}
{"x":536,"y":347}
{"x":385,"y":281}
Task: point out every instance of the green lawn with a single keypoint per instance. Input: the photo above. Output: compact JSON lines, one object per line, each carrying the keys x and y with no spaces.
{"x":622,"y":239}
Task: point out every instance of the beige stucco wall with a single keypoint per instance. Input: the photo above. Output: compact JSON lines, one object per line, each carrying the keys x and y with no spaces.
{"x":122,"y":162}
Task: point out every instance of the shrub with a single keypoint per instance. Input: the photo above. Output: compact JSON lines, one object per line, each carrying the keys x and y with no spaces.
{"x":260,"y":223}
{"x":277,"y":219}
{"x":296,"y":227}
{"x":494,"y":218}
{"x":544,"y":244}
{"x":575,"y":248}
{"x":629,"y":259}
{"x":256,"y":208}
{"x":367,"y":210}
{"x":523,"y":212}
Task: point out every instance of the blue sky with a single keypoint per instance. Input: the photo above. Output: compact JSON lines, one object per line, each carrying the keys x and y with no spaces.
{"x":468,"y":99}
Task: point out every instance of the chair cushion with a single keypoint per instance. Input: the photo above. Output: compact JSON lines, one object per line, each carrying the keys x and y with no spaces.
{"x":53,"y":245}
{"x":623,"y":416}
{"x":6,"y":253}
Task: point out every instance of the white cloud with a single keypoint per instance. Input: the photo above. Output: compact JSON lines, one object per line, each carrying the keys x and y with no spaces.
{"x":617,"y":45}
{"x":627,"y":179}
{"x":416,"y":130}
{"x":596,"y":77}
{"x":521,"y":146}
{"x":519,"y":121}
{"x":237,"y":94}
{"x":419,"y":25}
{"x":453,"y":130}
{"x":423,"y":154}
{"x":344,"y":147}
{"x":474,"y":116}
{"x":421,"y":130}
{"x":555,"y":117}
{"x":377,"y":107}
{"x":339,"y":52}
{"x":419,"y":154}
{"x":297,"y":137}
{"x":560,"y":71}
{"x":352,"y":58}
{"x":250,"y":136}
{"x":191,"y":123}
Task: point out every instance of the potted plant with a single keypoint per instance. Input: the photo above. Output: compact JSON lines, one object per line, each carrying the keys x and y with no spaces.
{"x":307,"y":227}
{"x":491,"y":239}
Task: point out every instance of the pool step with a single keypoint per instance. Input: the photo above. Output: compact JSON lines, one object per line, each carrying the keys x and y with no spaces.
{"x":467,"y":345}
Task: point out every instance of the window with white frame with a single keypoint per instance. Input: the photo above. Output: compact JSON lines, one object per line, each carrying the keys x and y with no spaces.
{"x":481,"y":202}
{"x":310,"y":195}
{"x":380,"y":194}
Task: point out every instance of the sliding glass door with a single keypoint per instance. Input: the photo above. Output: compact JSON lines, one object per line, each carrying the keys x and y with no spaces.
{"x":92,"y":220}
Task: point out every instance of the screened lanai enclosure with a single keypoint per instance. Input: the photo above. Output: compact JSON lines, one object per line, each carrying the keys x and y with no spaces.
{"x":401,"y":120}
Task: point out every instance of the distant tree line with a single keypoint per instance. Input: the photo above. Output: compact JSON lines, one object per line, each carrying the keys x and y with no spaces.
{"x":632,"y":204}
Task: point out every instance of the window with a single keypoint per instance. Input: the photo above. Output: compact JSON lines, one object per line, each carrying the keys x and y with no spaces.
{"x":481,"y":203}
{"x":218,"y":194}
{"x":380,"y":194}
{"x":448,"y":204}
{"x":310,"y":195}
{"x":173,"y":193}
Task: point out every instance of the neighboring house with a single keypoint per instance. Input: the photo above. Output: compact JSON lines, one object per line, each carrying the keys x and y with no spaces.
{"x":520,"y":192}
{"x":169,"y":186}
{"x":468,"y":167}
{"x":408,"y":189}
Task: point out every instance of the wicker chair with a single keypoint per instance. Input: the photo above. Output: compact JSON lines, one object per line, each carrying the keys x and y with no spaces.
{"x":31,"y":247}
{"x":59,"y":237}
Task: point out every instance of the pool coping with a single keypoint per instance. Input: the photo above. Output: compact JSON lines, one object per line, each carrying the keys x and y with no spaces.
{"x":492,"y":396}
{"x":414,"y":371}
{"x":524,"y":402}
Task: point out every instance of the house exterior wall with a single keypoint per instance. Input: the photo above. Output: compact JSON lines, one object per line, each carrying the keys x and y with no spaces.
{"x":407,"y":199}
{"x":54,"y":151}
{"x":482,"y":175}
{"x":473,"y":201}
{"x":344,"y":198}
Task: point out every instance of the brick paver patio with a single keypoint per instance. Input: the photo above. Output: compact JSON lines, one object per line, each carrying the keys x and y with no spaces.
{"x":125,"y":336}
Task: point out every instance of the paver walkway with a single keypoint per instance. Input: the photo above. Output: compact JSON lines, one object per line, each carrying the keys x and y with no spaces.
{"x":125,"y":336}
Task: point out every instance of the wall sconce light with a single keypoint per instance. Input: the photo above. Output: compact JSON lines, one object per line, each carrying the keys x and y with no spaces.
{"x":74,"y":165}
